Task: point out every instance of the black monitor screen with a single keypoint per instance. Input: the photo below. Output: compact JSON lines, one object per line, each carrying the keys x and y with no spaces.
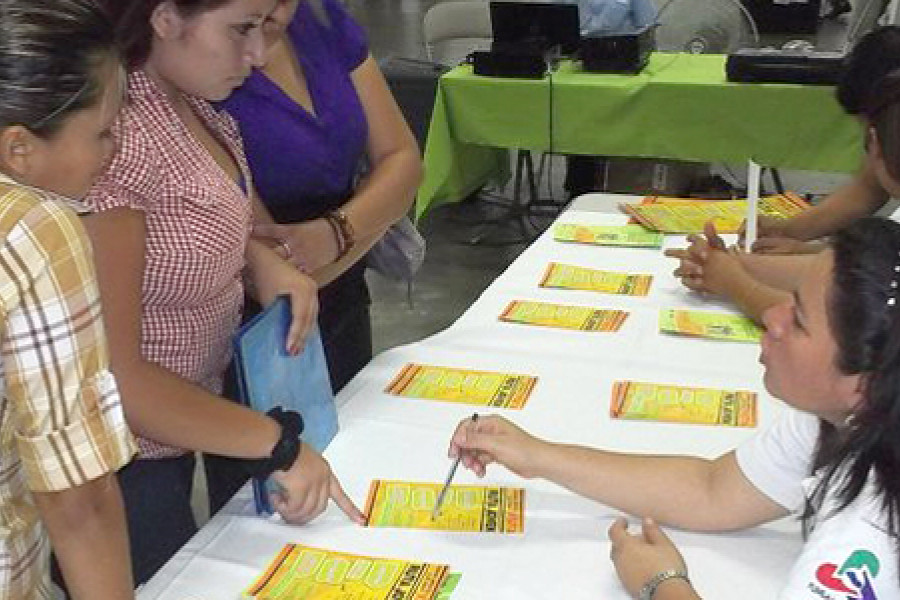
{"x":530,"y":25}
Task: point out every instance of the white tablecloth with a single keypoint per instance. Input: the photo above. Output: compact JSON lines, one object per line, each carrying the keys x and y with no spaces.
{"x":564,"y":552}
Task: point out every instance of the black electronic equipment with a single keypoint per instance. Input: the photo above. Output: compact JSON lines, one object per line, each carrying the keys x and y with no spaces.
{"x":777,"y":16}
{"x":534,"y":27}
{"x":768,"y":65}
{"x":497,"y":63}
{"x":617,"y":52}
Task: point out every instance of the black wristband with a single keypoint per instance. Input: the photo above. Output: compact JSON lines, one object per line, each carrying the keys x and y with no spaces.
{"x":286,"y":449}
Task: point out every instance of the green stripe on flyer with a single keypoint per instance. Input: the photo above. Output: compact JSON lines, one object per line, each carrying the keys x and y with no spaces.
{"x":448,"y":587}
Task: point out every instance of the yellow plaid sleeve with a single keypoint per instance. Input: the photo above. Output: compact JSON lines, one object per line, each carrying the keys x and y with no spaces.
{"x":69,"y":423}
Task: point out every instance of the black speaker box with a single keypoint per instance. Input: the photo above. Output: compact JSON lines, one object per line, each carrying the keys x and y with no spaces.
{"x":774,"y":16}
{"x":617,"y":53}
{"x":777,"y":66}
{"x":509,"y":64}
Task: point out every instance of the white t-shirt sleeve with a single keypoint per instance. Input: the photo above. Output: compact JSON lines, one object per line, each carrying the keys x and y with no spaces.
{"x":848,"y":554}
{"x":777,"y":460}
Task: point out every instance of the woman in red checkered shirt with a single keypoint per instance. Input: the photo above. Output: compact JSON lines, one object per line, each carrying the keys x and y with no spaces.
{"x":172,"y":237}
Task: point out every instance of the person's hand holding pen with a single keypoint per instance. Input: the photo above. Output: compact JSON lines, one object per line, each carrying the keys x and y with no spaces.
{"x":493,"y":439}
{"x":443,"y":493}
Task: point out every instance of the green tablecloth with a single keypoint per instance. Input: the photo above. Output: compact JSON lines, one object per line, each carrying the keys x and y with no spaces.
{"x":679,"y":107}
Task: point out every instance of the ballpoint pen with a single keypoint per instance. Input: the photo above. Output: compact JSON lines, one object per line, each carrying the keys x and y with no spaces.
{"x":443,"y":493}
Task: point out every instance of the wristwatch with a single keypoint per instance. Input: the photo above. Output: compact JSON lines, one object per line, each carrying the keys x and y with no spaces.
{"x":286,"y":449}
{"x":649,"y":588}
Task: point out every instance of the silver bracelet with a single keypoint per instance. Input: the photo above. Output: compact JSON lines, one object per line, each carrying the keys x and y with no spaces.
{"x":650,"y":587}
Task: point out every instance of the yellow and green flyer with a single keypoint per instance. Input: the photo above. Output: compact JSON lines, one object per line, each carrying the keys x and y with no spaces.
{"x":483,"y":388}
{"x":636,"y":236}
{"x":684,"y":215}
{"x":563,"y":316}
{"x":571,"y":277}
{"x":680,"y":404}
{"x":448,"y":587}
{"x":713,"y":325}
{"x":472,"y":508}
{"x":301,"y":572}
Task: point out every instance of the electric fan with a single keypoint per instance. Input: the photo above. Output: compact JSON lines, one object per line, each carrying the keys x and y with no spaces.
{"x":704,"y":27}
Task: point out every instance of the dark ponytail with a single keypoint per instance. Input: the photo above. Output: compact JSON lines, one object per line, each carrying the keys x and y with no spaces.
{"x":883,"y":115}
{"x":864,"y":312}
{"x":131,"y":19}
{"x":873,"y":57}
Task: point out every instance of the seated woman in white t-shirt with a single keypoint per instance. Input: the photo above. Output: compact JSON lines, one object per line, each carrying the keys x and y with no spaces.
{"x":832,"y":352}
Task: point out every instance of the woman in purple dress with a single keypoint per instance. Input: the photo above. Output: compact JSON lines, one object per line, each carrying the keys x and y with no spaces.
{"x":316,"y":112}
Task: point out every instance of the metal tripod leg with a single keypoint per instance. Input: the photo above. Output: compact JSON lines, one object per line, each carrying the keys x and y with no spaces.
{"x":516,"y":211}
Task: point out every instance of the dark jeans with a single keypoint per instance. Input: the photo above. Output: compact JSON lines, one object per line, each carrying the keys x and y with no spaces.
{"x":157,"y":497}
{"x":348,"y":348}
{"x":348,"y":343}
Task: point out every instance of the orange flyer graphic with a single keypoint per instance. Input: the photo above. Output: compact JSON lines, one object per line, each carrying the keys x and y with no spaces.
{"x":686,"y":215}
{"x":680,"y":404}
{"x":300,"y":572}
{"x":483,"y":388}
{"x":563,"y":316}
{"x":570,"y":277}
{"x":471,"y":508}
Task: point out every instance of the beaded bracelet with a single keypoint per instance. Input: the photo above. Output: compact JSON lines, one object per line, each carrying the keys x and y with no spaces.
{"x":343,"y":231}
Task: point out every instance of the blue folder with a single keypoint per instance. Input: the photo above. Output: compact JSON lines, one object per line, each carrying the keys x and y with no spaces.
{"x":268,"y":376}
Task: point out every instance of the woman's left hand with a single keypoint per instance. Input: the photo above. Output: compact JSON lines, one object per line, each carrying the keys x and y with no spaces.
{"x":275,"y":277}
{"x":638,"y":557}
{"x":312,"y":244}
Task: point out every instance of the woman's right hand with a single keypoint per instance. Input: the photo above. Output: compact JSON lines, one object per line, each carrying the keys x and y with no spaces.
{"x":307,"y":487}
{"x":493,"y":439}
{"x":272,"y":276}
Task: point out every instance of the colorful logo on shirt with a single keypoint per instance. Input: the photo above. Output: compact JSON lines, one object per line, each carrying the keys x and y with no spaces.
{"x":850,"y":581}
